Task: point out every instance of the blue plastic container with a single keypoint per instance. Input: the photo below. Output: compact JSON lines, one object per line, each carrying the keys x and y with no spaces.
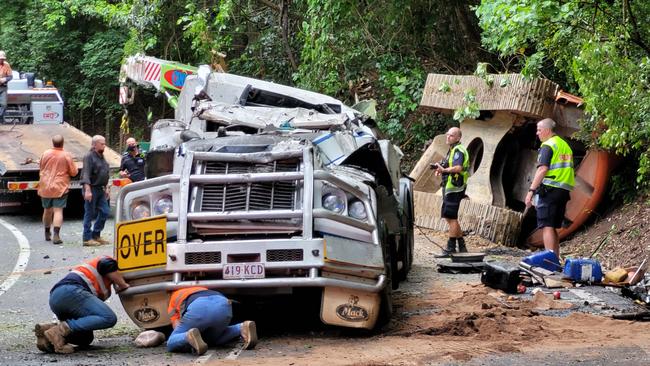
{"x":546,"y":259}
{"x":583,"y":270}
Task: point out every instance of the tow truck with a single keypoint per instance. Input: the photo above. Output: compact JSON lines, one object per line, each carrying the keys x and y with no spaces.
{"x":35,"y":114}
{"x":256,"y":188}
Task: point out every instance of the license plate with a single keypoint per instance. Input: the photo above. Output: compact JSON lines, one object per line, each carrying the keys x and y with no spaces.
{"x":141,"y":244}
{"x":236,"y":271}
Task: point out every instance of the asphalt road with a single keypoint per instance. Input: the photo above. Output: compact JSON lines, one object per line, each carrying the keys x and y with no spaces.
{"x":29,"y":266}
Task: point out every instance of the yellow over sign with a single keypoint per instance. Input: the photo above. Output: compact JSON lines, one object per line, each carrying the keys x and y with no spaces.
{"x":141,"y":244}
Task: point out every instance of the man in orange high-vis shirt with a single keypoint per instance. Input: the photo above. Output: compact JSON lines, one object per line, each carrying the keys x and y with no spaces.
{"x":6,"y":75}
{"x":201,"y":318}
{"x":56,"y":168}
{"x":78,"y":302}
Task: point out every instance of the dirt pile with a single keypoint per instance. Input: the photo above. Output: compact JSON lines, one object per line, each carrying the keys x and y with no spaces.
{"x":485,"y":319}
{"x":487,"y":315}
{"x":619,"y":239}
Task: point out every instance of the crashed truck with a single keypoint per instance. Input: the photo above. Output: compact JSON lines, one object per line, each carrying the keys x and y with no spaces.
{"x":259,"y":189}
{"x":34,"y":114}
{"x":502,"y":147}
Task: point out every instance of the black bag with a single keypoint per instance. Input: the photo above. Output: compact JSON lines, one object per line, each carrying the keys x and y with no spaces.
{"x":501,"y":276}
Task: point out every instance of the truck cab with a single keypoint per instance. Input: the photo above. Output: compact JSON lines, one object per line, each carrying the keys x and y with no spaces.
{"x":257,"y":188}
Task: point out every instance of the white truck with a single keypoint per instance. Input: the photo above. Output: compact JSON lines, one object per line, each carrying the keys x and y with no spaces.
{"x":258,"y":189}
{"x":35,"y":114}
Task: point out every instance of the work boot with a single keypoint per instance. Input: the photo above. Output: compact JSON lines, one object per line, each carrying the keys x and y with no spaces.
{"x":48,"y":235}
{"x":451,"y":249}
{"x":249,"y":334}
{"x":101,"y":240}
{"x":461,"y":245}
{"x":56,"y":239}
{"x":56,"y":335}
{"x":91,"y":243}
{"x":195,"y":340}
{"x":41,"y":342}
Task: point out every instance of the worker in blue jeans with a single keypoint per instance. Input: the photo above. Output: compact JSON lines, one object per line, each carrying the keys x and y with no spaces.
{"x":78,"y":302}
{"x":94,"y":180}
{"x":201,"y":318}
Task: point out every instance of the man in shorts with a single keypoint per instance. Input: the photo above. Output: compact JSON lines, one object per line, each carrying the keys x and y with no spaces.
{"x":56,"y":169}
{"x":454,"y":171}
{"x":553,"y":182}
{"x":6,"y":75}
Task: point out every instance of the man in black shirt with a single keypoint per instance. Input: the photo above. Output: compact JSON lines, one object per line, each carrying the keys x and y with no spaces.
{"x":132,"y":165}
{"x":94,"y":179}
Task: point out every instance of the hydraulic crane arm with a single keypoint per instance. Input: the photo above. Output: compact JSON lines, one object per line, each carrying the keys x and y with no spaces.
{"x":166,"y":77}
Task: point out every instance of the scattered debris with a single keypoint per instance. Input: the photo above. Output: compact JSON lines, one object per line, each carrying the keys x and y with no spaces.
{"x":543,"y":301}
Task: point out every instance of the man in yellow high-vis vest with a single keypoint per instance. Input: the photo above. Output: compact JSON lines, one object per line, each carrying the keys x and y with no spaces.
{"x":553,"y":182}
{"x":454,"y":171}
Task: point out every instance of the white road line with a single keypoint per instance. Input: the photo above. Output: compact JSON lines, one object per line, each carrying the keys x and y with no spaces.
{"x":23,"y":257}
{"x":203,"y":359}
{"x":234,"y":353}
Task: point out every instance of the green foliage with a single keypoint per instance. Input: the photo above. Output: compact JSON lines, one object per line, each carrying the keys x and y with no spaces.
{"x":619,"y":190}
{"x":344,"y":48}
{"x":444,"y":87}
{"x":329,"y":56}
{"x":470,"y":109}
{"x":204,"y":27}
{"x":403,"y":86}
{"x":100,"y":70}
{"x":602,"y":48}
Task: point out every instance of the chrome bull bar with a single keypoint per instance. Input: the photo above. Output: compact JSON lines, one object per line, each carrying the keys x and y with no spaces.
{"x":186,"y":179}
{"x":314,"y":280}
{"x":308,"y":213}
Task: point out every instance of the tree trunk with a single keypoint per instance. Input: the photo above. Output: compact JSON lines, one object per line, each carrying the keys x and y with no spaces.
{"x":284,"y":21}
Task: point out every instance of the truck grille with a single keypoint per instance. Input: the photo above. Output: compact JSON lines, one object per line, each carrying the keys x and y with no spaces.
{"x":203,"y":258}
{"x":258,"y":196}
{"x":284,"y":255}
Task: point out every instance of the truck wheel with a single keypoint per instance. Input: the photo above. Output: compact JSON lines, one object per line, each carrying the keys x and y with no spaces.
{"x":407,"y":241}
{"x":386,"y":295}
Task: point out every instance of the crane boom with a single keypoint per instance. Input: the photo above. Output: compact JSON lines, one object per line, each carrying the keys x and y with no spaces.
{"x":167,"y":77}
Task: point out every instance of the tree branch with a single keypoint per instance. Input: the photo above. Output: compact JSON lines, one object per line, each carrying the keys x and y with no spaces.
{"x":272,"y":5}
{"x":636,"y":35}
{"x":284,"y":22}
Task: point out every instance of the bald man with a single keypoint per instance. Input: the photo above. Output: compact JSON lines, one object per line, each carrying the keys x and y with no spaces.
{"x":454,"y":171}
{"x":553,"y":181}
{"x":56,"y":167}
{"x":132,"y":164}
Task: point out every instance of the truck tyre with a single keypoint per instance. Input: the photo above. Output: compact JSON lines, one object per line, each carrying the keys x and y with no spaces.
{"x":388,"y":210}
{"x":407,"y":239}
{"x":386,"y":295}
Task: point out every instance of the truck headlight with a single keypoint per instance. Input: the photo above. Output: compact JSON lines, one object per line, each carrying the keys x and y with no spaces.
{"x":335,"y":201}
{"x":163,"y":205}
{"x":357,"y":210}
{"x":140,"y":210}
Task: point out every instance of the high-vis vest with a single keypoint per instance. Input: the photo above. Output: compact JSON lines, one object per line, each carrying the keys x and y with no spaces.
{"x":463,"y":175}
{"x":560,"y":173}
{"x":176,"y":307}
{"x":100,"y":286}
